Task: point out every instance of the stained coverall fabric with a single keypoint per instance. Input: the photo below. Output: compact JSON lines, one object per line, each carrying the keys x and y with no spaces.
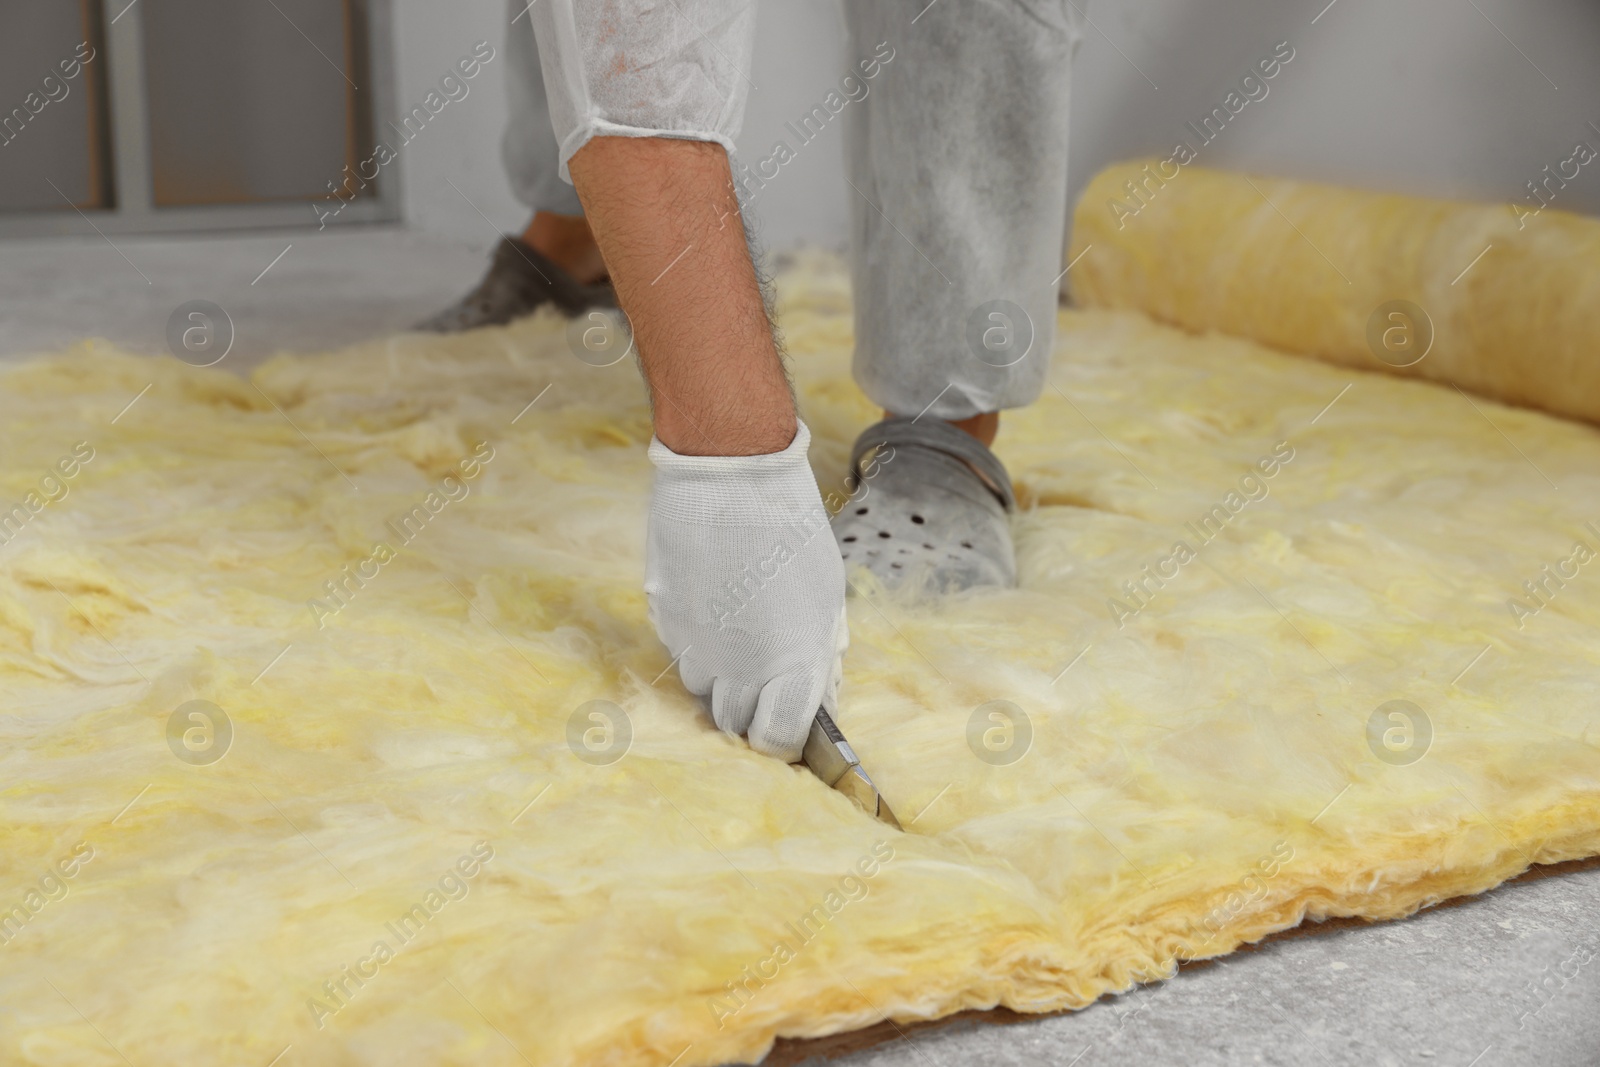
{"x":644,"y":68}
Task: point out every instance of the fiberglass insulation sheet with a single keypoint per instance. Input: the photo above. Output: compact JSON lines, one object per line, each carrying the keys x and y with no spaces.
{"x":1233,"y":562}
{"x":1499,"y":298}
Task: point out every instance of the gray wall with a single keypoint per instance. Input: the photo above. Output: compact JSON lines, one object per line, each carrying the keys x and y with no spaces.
{"x":1423,"y":96}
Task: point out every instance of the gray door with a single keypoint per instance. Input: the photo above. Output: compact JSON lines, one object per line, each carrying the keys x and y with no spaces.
{"x":146,"y":115}
{"x":53,"y":141}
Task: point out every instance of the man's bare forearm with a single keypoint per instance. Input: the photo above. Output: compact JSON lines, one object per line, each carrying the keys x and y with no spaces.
{"x":667,"y":221}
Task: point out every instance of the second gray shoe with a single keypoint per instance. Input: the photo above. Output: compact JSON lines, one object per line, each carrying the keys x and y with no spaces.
{"x":519,"y":282}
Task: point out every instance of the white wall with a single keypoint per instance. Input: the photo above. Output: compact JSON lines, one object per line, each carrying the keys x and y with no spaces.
{"x":1417,"y":96}
{"x":462,"y":144}
{"x":1421,"y":96}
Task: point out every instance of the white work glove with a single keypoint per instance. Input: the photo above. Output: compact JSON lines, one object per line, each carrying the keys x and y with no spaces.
{"x":746,"y":589}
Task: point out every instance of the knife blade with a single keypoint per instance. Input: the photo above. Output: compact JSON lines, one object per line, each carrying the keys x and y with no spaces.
{"x":829,"y":756}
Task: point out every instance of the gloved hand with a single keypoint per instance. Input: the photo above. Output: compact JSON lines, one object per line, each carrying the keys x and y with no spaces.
{"x":746,"y":589}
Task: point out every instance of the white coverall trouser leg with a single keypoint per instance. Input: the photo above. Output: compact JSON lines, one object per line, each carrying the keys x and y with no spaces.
{"x":957,"y":155}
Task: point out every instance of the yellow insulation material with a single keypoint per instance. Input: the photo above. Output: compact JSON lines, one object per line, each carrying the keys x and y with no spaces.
{"x":1497,"y":298}
{"x":401,"y":860}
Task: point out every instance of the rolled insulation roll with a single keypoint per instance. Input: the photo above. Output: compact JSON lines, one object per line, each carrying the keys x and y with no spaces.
{"x":1500,"y":299}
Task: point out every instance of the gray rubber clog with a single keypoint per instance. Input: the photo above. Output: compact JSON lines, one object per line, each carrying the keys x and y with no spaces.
{"x":929,"y":508}
{"x":519,"y":282}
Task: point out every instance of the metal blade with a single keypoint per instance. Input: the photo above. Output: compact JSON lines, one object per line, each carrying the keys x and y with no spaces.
{"x":830,"y":757}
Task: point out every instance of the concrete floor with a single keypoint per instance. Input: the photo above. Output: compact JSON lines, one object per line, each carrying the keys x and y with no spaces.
{"x":1455,"y":987}
{"x":328,"y":289}
{"x":1450,"y":987}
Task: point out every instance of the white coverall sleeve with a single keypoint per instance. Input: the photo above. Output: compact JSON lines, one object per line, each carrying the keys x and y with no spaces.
{"x":644,"y":68}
